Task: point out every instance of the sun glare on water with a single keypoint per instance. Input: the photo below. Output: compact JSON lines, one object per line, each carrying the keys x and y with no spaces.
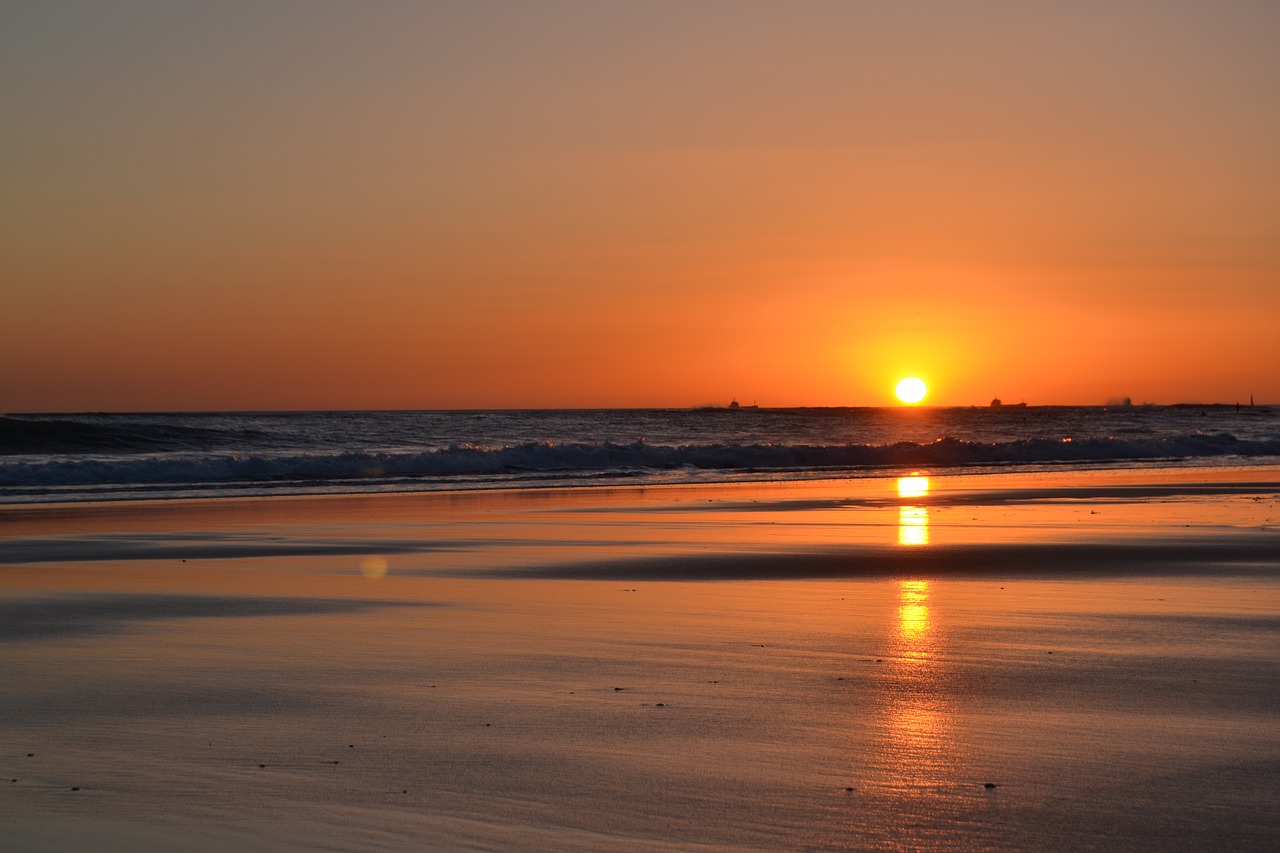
{"x":911,"y":390}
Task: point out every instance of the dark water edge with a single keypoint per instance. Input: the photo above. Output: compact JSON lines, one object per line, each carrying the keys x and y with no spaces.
{"x":69,"y":458}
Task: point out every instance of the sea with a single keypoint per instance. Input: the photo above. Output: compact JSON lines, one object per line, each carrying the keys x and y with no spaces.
{"x":52,"y":458}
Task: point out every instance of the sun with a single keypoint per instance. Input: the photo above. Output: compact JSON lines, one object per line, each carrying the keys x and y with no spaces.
{"x":911,"y":390}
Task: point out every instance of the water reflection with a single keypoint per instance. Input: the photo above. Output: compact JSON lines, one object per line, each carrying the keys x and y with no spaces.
{"x":916,"y":758}
{"x":913,"y":618}
{"x":917,"y":723}
{"x":913,"y":525}
{"x":914,"y":486}
{"x":913,"y":521}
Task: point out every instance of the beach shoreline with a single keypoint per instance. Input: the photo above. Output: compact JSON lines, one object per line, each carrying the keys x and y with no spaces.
{"x":1069,"y":660}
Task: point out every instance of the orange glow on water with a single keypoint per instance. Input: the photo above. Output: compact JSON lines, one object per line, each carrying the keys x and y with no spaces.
{"x":913,"y":526}
{"x":919,"y":748}
{"x":913,"y":521}
{"x":914,"y":486}
{"x":913,"y":617}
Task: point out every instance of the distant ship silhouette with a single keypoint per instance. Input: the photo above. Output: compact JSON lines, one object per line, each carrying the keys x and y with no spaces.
{"x":997,"y":403}
{"x":734,"y":406}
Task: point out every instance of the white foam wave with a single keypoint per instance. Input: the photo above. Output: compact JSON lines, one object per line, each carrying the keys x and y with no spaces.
{"x":594,"y":459}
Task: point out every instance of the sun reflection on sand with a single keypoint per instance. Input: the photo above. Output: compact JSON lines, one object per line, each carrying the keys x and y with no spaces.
{"x":913,"y":526}
{"x":913,"y":521}
{"x":918,"y":734}
{"x":921,"y":736}
{"x":915,"y":759}
{"x":914,"y":486}
{"x":913,"y":618}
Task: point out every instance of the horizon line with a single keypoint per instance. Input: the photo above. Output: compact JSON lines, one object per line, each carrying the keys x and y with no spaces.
{"x":704,"y":407}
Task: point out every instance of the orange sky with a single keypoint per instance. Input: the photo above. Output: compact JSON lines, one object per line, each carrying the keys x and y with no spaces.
{"x":439,"y":205}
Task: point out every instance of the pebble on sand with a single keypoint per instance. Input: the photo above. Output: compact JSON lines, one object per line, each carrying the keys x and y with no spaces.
{"x":989,"y":785}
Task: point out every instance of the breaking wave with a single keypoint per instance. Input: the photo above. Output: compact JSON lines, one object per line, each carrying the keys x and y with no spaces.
{"x":594,"y":461}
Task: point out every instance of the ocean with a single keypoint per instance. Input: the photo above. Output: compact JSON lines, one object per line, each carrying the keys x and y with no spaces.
{"x":49,"y":458}
{"x":1016,"y":629}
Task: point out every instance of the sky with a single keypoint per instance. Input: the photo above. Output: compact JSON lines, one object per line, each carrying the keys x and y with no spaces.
{"x":332,"y":205}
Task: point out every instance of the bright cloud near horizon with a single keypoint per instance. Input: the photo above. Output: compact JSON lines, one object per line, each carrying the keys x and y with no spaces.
{"x":319,"y":205}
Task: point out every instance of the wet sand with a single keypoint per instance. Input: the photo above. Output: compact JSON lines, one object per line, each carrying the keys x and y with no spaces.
{"x":1006,"y":662}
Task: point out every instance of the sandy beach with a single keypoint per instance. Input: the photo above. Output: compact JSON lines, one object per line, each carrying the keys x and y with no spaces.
{"x":1041,"y":661}
{"x":575,"y":426}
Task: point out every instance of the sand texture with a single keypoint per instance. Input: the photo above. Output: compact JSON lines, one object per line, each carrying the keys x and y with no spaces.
{"x":1086,"y":661}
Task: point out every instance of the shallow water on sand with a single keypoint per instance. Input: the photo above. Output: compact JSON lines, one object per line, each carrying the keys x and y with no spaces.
{"x":279,"y":700}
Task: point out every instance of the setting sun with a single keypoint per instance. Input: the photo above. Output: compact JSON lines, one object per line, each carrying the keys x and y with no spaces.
{"x":911,"y":390}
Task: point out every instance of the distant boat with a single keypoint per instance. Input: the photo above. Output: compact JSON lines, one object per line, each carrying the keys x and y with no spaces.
{"x":734,"y":406}
{"x":997,"y":403}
